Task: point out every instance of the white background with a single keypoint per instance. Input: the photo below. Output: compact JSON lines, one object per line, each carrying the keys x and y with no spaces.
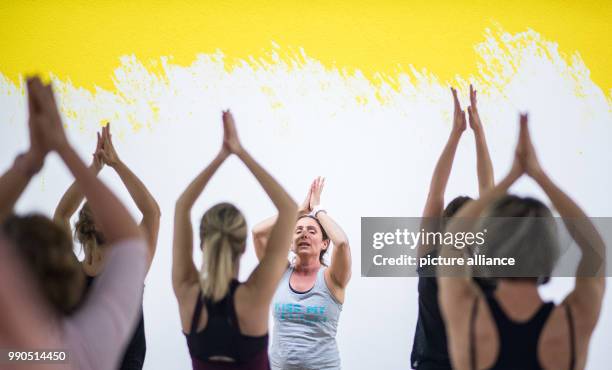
{"x":302,"y":122}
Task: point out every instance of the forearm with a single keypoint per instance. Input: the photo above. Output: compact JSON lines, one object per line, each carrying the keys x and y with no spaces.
{"x":484,"y":165}
{"x":282,"y":200}
{"x":333,"y":230}
{"x":443,"y":167}
{"x":13,"y":183}
{"x":138,"y":191}
{"x":340,"y":267}
{"x":474,"y":208}
{"x":71,"y":199}
{"x":195,"y":188}
{"x":579,"y":226}
{"x":114,"y":220}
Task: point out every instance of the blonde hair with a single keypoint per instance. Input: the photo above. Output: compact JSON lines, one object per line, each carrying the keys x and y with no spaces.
{"x":223,"y":233}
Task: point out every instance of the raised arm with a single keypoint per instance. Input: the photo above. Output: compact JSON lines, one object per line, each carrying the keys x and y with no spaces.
{"x":434,"y":204}
{"x":114,"y":220}
{"x":340,"y":266}
{"x":261,"y":231}
{"x":483,"y":160}
{"x":586,"y":298}
{"x":138,"y":191}
{"x":262,"y":283}
{"x":73,"y":197}
{"x":456,"y":285}
{"x":184,"y":271}
{"x":14,"y":181}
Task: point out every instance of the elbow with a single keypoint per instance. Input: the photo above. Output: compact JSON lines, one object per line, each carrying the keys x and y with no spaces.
{"x":342,"y":244}
{"x":156,"y":211}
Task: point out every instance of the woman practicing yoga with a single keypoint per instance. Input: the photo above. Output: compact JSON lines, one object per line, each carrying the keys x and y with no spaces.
{"x":513,"y":328}
{"x":429,"y":349}
{"x":95,"y":332}
{"x":92,"y":239}
{"x":309,"y":298}
{"x":225,"y":321}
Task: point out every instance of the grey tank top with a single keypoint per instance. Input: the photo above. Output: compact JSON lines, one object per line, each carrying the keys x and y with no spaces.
{"x":305,"y":323}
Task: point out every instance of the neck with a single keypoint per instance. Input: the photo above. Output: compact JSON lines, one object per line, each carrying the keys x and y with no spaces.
{"x":307,"y":263}
{"x":525,"y":293}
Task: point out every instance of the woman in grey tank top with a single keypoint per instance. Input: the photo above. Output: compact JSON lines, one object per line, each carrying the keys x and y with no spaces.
{"x":308,"y":300}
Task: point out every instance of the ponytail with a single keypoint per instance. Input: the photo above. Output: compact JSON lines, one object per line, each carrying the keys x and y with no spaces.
{"x":223,"y":233}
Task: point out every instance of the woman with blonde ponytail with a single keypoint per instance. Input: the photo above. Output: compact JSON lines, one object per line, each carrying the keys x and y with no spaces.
{"x":224,"y":321}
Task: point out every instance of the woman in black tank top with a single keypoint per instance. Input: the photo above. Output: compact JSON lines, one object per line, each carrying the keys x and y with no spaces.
{"x":226,"y":322}
{"x":429,"y":350}
{"x":93,"y":241}
{"x":513,"y":328}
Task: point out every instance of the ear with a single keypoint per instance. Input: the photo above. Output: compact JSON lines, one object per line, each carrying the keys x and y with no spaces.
{"x":326,"y":244}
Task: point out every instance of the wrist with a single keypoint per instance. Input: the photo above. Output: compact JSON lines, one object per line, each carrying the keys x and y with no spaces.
{"x":29,"y":163}
{"x":316,"y":210}
{"x":456,"y":134}
{"x":115,"y":164}
{"x":223,"y":153}
{"x":240,"y":152}
{"x":538,"y":175}
{"x":64,"y":149}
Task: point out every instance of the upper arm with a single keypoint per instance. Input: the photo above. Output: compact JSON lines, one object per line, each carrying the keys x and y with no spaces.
{"x":150,"y":226}
{"x":586,"y":300}
{"x":340,"y":268}
{"x":260,"y":240}
{"x":263,"y":281}
{"x":63,"y":221}
{"x":455,"y":293}
{"x":184,"y":272}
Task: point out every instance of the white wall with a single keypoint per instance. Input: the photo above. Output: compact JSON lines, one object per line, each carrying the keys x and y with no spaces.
{"x":302,"y":122}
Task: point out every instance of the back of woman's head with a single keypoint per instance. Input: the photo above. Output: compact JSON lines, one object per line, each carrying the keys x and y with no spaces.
{"x":47,"y":252}
{"x":522,"y":228}
{"x":223,"y":233}
{"x":85,"y":231}
{"x":452,"y":208}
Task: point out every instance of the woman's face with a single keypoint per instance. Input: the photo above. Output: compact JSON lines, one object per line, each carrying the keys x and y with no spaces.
{"x":308,"y":238}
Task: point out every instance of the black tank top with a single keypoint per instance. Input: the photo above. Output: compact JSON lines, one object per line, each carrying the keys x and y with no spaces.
{"x":429,"y":348}
{"x":134,"y":355}
{"x":222,"y":337}
{"x":518,"y":342}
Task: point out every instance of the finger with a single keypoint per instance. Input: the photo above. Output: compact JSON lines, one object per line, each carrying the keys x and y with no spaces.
{"x":322,"y":184}
{"x":524,"y":131}
{"x":48,"y":99}
{"x":98,"y":142}
{"x":35,"y":87}
{"x":455,"y":98}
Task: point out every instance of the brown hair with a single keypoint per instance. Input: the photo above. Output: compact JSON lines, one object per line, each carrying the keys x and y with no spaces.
{"x":85,"y":231}
{"x":223,"y":233}
{"x":47,"y":252}
{"x":324,"y":235}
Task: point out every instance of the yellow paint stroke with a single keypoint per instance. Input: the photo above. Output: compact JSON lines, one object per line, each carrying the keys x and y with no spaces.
{"x":82,"y":41}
